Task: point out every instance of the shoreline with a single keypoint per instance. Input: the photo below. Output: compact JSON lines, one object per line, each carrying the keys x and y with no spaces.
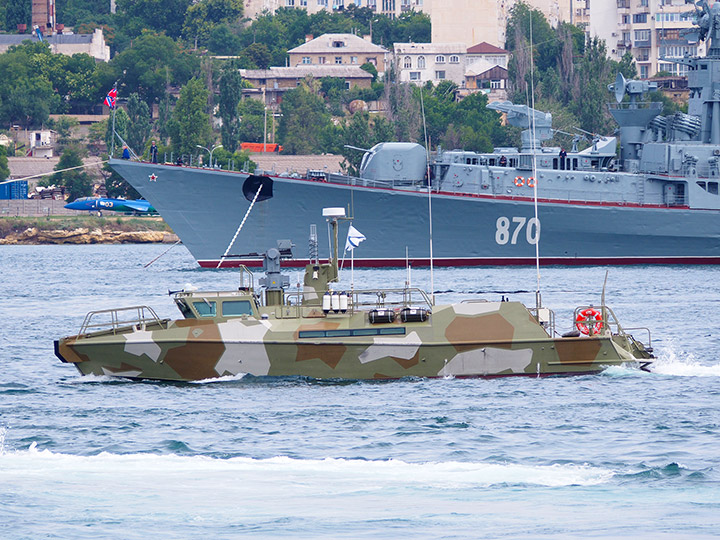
{"x":84,"y":230}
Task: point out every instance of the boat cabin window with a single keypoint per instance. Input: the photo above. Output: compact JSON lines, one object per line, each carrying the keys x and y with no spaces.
{"x":185,"y":310}
{"x":574,"y":164}
{"x":235,"y":308}
{"x":471,"y":161}
{"x":713,"y":188}
{"x":391,"y":331}
{"x":205,"y":308}
{"x":702,"y":185}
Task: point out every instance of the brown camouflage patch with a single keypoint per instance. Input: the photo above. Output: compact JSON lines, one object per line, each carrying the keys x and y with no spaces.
{"x":330,"y":354}
{"x":382,"y":377}
{"x":578,"y":349}
{"x":410,"y":362}
{"x":467,"y":333}
{"x":66,"y":349}
{"x":184,"y":323}
{"x":197,"y":359}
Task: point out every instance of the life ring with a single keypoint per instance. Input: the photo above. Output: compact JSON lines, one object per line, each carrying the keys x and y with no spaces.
{"x":531,"y":182}
{"x":519,"y":181}
{"x":585,"y":319}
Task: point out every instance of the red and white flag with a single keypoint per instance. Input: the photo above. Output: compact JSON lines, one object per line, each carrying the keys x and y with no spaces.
{"x":111,"y":98}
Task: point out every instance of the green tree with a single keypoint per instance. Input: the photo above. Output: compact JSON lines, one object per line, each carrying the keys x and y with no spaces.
{"x":122,"y":121}
{"x":75,"y":12}
{"x":224,"y":41}
{"x":202,"y":17}
{"x":139,"y":125}
{"x":4,"y":168}
{"x":230,"y":96}
{"x":134,"y":16}
{"x":64,"y":127}
{"x":77,"y":183}
{"x":26,"y":94}
{"x":304,"y":118}
{"x":154,"y":61}
{"x":17,"y":12}
{"x":190,"y":124}
{"x":595,"y":72}
{"x":403,"y":111}
{"x":252,"y":120}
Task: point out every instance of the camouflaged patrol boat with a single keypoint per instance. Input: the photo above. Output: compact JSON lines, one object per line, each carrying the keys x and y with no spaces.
{"x":326,"y":334}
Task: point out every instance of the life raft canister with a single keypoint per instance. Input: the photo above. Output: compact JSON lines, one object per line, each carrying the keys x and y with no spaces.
{"x":587,"y":319}
{"x":519,"y":181}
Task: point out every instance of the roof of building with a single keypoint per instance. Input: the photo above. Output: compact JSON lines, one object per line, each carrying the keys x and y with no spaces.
{"x":482,"y":66}
{"x":429,"y":48}
{"x":486,"y":48}
{"x":351,"y":43}
{"x":58,"y":39}
{"x":303,"y":70}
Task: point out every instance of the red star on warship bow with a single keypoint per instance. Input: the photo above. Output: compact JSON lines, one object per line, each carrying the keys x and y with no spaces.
{"x":152,"y":177}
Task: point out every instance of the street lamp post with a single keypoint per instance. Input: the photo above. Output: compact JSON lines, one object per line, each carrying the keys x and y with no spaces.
{"x":210,"y":151}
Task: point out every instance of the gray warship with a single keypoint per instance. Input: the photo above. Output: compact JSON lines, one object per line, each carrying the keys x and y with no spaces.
{"x":656,"y":201}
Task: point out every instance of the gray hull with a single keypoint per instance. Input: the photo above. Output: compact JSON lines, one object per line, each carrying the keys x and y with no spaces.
{"x":205,"y":208}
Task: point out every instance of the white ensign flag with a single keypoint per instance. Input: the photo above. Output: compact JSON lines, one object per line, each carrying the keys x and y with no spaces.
{"x":354,"y":238}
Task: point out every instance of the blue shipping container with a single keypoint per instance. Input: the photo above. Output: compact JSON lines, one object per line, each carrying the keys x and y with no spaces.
{"x":14,"y":190}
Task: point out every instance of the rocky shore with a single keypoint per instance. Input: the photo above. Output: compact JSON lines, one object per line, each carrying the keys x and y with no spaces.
{"x":82,"y":235}
{"x":84,"y":230}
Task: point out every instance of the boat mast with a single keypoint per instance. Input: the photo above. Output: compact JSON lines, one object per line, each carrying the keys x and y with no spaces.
{"x":429,"y":191}
{"x":538,"y":300}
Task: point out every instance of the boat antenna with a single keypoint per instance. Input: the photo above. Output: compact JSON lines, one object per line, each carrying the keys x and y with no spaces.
{"x":538,"y":300}
{"x":429,"y":186}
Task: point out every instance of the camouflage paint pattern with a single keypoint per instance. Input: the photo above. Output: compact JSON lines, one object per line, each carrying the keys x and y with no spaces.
{"x":472,"y":339}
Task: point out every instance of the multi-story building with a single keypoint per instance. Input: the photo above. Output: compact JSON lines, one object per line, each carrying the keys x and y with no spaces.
{"x":419,"y":63}
{"x":654,"y":31}
{"x":392,"y":8}
{"x":475,"y":21}
{"x":341,"y":50}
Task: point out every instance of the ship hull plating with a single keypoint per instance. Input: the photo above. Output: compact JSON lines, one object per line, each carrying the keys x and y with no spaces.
{"x":205,"y":208}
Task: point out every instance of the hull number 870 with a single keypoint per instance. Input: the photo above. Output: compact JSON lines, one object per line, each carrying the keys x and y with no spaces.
{"x":509,"y":230}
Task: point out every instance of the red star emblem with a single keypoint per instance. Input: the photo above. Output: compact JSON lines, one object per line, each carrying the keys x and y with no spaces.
{"x":152,"y":177}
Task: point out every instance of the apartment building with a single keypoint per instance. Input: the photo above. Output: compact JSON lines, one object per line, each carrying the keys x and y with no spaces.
{"x":477,"y":21}
{"x":419,"y":63}
{"x":654,"y":31}
{"x":392,"y":8}
{"x":339,"y":49}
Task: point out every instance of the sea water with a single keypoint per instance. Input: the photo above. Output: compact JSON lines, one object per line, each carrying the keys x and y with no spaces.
{"x":623,"y":454}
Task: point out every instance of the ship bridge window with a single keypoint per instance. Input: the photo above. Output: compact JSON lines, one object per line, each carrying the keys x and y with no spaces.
{"x":234,"y":308}
{"x":702,"y":185}
{"x":471,"y":161}
{"x":205,"y":308}
{"x":713,"y":188}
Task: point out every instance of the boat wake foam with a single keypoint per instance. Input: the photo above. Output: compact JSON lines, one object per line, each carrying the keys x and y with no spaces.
{"x":681,"y":364}
{"x":353,"y":474}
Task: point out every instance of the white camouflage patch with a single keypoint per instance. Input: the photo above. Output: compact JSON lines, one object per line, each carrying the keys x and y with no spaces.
{"x":401,"y":347}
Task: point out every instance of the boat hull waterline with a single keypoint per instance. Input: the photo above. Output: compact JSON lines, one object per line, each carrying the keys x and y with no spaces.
{"x":476,"y":339}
